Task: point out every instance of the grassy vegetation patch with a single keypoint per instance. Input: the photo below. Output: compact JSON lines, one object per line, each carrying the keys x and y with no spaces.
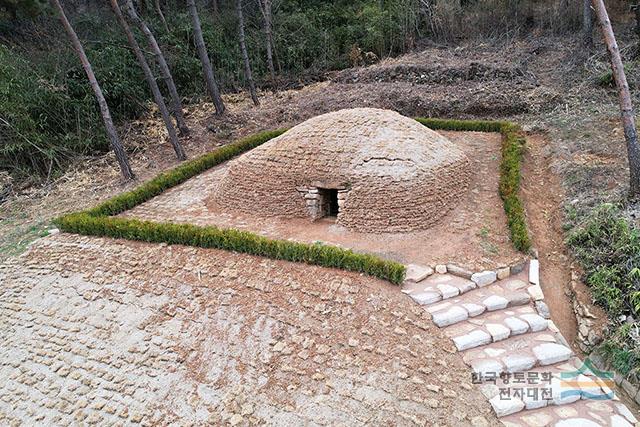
{"x":513,"y":144}
{"x":608,"y":248}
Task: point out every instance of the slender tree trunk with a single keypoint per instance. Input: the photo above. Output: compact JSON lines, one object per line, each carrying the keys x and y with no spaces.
{"x":245,"y":55}
{"x":587,"y":24}
{"x":207,"y":69}
{"x":176,"y":104}
{"x":161,"y":15}
{"x":116,"y":145}
{"x":626,"y":108}
{"x":265,"y":8}
{"x":214,"y":4}
{"x":148,"y":75}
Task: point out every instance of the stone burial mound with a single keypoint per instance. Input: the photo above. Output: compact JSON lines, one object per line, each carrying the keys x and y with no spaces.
{"x":372,"y":170}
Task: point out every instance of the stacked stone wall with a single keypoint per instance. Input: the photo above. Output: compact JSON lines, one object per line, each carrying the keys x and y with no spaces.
{"x":393,"y":174}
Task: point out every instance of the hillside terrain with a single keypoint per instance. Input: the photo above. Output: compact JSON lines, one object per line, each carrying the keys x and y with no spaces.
{"x":575,"y":161}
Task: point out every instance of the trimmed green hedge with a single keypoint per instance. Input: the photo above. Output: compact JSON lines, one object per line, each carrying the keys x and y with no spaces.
{"x":101,"y":220}
{"x":513,"y":144}
{"x":180,"y":174}
{"x":231,"y":239}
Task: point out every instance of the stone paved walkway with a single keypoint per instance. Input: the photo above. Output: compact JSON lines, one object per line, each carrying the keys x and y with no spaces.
{"x":99,"y":331}
{"x":502,"y":330}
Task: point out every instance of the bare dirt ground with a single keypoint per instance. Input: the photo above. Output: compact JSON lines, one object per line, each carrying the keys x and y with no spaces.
{"x":474,"y":234}
{"x":543,"y":195}
{"x":105,"y":331}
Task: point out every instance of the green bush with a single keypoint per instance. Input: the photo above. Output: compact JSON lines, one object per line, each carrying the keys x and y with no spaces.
{"x":608,"y":248}
{"x":513,"y":144}
{"x":622,"y":351}
{"x":606,"y":79}
{"x":48,"y":112}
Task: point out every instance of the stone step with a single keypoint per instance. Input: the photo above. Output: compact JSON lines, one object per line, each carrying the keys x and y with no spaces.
{"x":510,"y":292}
{"x":495,"y":326}
{"x":583,"y":413}
{"x":518,"y":353}
{"x":437,"y":287}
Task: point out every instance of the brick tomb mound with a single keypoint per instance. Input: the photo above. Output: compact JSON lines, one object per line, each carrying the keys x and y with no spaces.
{"x":373,"y":170}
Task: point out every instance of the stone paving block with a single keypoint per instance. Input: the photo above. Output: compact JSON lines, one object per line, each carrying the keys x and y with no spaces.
{"x":441,"y":269}
{"x":531,"y":402}
{"x":450,"y":316}
{"x":506,"y":407}
{"x":498,"y":332}
{"x":513,"y":284}
{"x":534,"y":271}
{"x":518,"y":362}
{"x":582,"y":413}
{"x":484,"y":278}
{"x":543,"y":309}
{"x":495,"y":302}
{"x":536,"y":322}
{"x":417,"y":273}
{"x":484,"y":366}
{"x":535,"y":291}
{"x":459,"y":271}
{"x":473,"y":339}
{"x":503,"y":273}
{"x":550,"y":353}
{"x":516,"y":325}
{"x":448,"y":291}
{"x":619,"y":421}
{"x":518,"y":298}
{"x":625,"y":412}
{"x":518,"y":268}
{"x":424,"y":298}
{"x":474,"y":309}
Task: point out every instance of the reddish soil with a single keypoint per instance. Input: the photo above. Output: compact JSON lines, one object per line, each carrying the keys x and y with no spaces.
{"x":543,"y":195}
{"x":473,"y":234}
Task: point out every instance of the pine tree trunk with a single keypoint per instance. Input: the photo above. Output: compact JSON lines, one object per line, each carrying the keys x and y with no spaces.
{"x":161,"y":15}
{"x":624,"y":97}
{"x":587,"y":24}
{"x":148,"y":75}
{"x":176,"y":104}
{"x":116,"y":145}
{"x":207,"y":69}
{"x":265,"y":8}
{"x":245,"y":55}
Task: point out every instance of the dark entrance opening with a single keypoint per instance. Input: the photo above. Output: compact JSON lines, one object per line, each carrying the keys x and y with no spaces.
{"x":329,"y":201}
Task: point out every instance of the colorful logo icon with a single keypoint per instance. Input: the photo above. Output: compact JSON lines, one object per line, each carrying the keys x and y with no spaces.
{"x":588,"y":382}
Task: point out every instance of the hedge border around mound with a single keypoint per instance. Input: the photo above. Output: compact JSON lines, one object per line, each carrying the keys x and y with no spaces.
{"x":512,"y":153}
{"x":101,"y":220}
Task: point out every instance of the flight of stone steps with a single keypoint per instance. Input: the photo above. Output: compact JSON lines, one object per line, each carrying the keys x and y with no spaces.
{"x":500,"y":324}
